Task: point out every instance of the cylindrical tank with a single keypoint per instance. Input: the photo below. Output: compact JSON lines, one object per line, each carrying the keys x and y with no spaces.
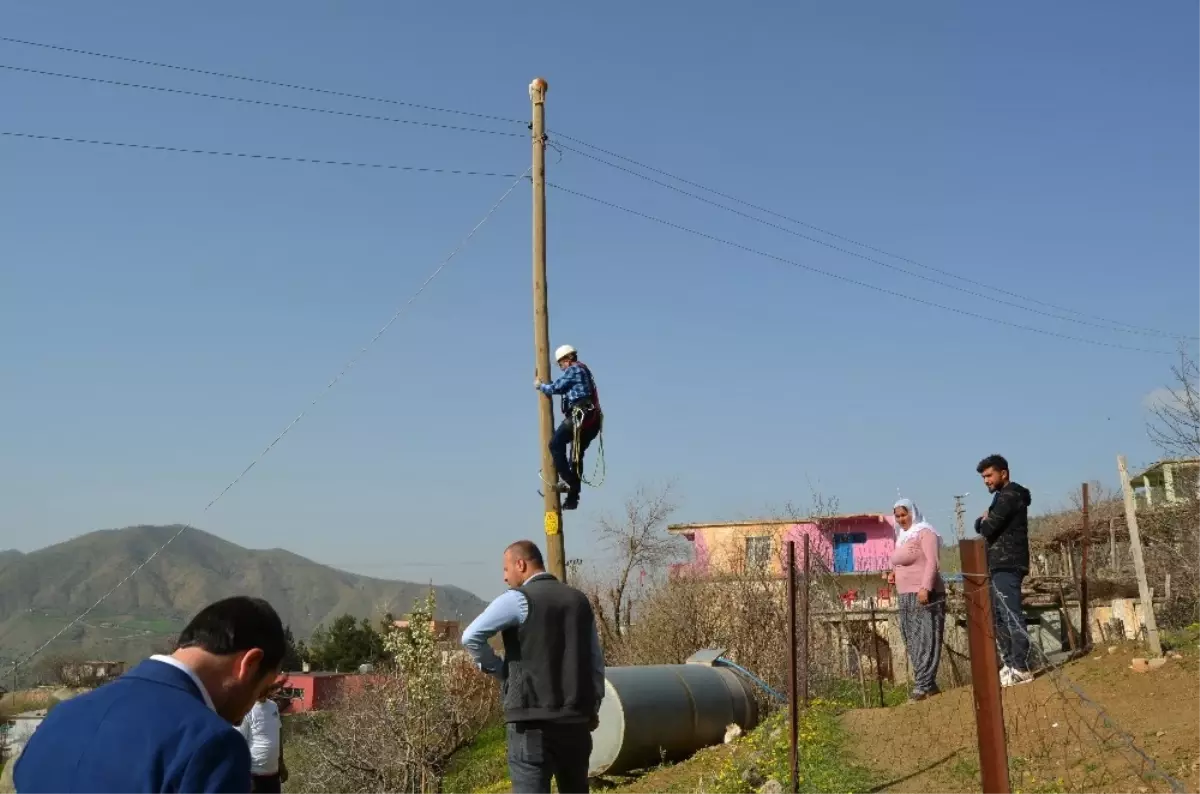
{"x":665,"y":713}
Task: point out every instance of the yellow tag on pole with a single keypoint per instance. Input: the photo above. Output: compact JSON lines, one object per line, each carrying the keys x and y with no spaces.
{"x":551,"y":522}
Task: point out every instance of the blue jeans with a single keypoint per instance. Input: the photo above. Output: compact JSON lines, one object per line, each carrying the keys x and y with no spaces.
{"x":538,"y":751}
{"x":565,"y":436}
{"x":1011,"y":633}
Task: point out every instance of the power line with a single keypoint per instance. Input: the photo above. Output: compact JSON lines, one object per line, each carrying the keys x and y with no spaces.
{"x":852,"y":241}
{"x":563,"y":136}
{"x":369,"y":117}
{"x":288,"y":428}
{"x":847,"y":279}
{"x":261,"y":102}
{"x":253,"y":156}
{"x":257,"y":80}
{"x":1108,"y":327}
{"x":612,"y":205}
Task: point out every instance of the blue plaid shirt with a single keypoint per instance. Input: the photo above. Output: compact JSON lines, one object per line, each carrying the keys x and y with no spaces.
{"x":574,"y":384}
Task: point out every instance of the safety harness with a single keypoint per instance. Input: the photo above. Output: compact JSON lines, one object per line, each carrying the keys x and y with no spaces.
{"x":584,"y":414}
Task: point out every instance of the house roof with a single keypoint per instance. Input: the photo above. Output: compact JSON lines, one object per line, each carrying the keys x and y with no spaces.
{"x":318,"y":674}
{"x":775,"y":522}
{"x":1153,"y":468}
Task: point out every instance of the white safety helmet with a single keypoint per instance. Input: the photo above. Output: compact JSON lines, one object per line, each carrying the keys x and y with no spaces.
{"x":563,"y":352}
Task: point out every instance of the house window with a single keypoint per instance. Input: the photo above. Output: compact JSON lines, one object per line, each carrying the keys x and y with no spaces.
{"x":758,"y":551}
{"x":843,"y":550}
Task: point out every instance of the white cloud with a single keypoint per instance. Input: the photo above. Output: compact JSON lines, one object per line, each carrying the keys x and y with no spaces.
{"x":1162,"y":398}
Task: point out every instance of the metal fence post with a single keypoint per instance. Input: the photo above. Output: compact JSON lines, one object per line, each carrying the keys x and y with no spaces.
{"x":805,"y":624}
{"x":793,"y":704}
{"x":985,"y":667}
{"x":875,"y":653}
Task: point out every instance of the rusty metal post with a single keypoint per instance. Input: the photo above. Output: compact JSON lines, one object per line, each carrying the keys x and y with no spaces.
{"x":805,"y":625}
{"x":875,"y":652}
{"x":793,"y":704}
{"x":985,"y":667}
{"x":1085,"y":625}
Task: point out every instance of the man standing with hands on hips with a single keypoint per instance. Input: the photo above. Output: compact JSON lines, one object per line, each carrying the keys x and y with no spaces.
{"x":551,"y":677}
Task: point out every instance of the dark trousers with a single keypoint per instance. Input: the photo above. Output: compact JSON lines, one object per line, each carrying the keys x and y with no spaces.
{"x":538,"y":751}
{"x":562,"y":438}
{"x":266,"y":784}
{"x":1011,"y":634}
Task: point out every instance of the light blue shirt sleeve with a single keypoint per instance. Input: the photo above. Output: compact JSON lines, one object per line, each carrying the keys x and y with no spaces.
{"x":507,"y":611}
{"x":563,"y":384}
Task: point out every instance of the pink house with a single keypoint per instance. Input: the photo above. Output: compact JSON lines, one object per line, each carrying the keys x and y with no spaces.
{"x":846,"y":544}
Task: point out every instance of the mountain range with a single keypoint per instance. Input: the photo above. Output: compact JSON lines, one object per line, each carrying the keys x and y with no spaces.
{"x":43,"y":591}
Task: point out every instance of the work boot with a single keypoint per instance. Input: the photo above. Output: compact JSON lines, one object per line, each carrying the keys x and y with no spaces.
{"x":571,"y":502}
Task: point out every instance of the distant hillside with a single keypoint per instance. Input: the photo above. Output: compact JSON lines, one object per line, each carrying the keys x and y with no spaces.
{"x":42,"y":591}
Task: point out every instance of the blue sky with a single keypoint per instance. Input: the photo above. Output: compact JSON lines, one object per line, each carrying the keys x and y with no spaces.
{"x":163,"y":316}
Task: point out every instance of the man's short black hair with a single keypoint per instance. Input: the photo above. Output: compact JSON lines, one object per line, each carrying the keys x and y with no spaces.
{"x":527,"y":550}
{"x":237,"y":624}
{"x":996,"y":462}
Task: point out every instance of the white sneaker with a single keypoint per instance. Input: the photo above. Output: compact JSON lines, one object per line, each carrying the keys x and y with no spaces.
{"x":1017,"y":677}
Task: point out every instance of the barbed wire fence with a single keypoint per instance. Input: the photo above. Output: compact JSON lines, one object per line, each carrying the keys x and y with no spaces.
{"x":1059,"y":736}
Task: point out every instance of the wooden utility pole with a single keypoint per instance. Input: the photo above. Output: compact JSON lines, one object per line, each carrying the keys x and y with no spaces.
{"x":556,"y":556}
{"x":1139,"y":564}
{"x":959,"y":512}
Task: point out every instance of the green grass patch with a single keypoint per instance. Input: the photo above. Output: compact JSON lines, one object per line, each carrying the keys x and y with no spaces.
{"x":847,"y":694}
{"x":763,"y":754}
{"x":739,"y":768}
{"x":481,"y":766}
{"x":1184,"y":639}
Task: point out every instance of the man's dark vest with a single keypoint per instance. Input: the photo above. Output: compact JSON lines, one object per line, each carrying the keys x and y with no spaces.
{"x":548,"y":658}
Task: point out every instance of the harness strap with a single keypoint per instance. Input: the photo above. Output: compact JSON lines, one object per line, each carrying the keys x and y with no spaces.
{"x":581,"y":416}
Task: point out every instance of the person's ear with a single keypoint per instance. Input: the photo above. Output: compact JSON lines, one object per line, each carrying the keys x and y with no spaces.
{"x":249,"y":667}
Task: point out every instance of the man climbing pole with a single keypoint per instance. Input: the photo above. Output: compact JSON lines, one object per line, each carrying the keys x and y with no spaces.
{"x":582,"y":419}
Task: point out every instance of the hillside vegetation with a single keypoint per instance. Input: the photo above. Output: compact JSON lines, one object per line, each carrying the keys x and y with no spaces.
{"x":42,"y":591}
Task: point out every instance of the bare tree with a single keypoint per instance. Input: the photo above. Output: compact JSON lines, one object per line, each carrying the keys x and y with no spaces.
{"x":640,"y":542}
{"x":1174,"y":424}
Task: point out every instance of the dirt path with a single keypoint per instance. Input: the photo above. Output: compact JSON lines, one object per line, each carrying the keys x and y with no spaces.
{"x":1057,"y":740}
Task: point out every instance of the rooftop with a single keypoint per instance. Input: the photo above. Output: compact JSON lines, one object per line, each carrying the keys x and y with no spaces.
{"x":1154,"y":468}
{"x":776,"y":522}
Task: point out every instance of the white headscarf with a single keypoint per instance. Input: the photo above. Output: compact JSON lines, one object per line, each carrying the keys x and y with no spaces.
{"x":918,"y":523}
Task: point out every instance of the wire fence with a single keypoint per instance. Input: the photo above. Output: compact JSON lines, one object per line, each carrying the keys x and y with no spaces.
{"x":1072,"y":721}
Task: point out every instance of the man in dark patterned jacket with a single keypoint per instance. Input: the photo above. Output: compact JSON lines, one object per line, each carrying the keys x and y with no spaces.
{"x":1005,"y":526}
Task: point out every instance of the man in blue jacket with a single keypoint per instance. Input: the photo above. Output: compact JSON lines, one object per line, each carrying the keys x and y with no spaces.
{"x":168,"y":724}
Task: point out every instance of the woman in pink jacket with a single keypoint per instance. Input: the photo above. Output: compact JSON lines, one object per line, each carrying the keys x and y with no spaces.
{"x":922,"y":595}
